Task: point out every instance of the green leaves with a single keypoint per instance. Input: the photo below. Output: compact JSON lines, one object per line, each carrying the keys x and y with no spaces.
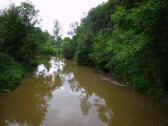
{"x":84,"y":48}
{"x":21,"y":43}
{"x":120,"y":18}
{"x":11,"y":72}
{"x":139,"y":83}
{"x":129,"y":39}
{"x":68,"y":48}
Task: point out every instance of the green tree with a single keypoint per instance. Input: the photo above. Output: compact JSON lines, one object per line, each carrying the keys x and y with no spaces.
{"x":22,"y":44}
{"x":127,"y":38}
{"x":68,"y":48}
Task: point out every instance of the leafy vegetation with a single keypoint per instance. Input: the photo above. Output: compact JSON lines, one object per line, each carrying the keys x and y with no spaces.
{"x":11,"y":72}
{"x":22,"y":43}
{"x":128,"y":39}
{"x":67,"y":48}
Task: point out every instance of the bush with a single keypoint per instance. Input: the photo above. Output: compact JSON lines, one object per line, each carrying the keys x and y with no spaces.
{"x":11,"y":72}
{"x":47,"y":49}
{"x":139,"y":83}
{"x":156,"y":93}
{"x":68,"y":48}
{"x":84,"y":49}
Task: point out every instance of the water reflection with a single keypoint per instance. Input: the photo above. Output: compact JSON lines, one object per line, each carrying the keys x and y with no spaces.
{"x":56,"y":66}
{"x":26,"y":106}
{"x":73,"y":95}
{"x":70,"y":104}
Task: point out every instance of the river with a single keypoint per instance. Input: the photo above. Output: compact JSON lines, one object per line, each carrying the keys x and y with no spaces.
{"x":67,"y":94}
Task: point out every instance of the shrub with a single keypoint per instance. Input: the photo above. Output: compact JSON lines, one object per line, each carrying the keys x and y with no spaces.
{"x":68,"y":48}
{"x":139,"y":83}
{"x":156,"y":93}
{"x":11,"y":72}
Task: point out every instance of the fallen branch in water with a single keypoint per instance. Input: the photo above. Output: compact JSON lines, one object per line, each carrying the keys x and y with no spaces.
{"x":3,"y":91}
{"x":111,"y":79}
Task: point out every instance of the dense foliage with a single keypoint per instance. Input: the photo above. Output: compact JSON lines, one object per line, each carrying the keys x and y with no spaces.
{"x":22,"y":43}
{"x":67,"y":48}
{"x":11,"y":72}
{"x":129,"y":39}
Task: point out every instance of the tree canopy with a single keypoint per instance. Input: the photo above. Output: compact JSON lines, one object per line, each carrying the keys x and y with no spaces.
{"x":22,"y":43}
{"x":129,"y":39}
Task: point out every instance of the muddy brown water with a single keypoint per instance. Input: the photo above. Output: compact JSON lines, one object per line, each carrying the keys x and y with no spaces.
{"x":72,"y":95}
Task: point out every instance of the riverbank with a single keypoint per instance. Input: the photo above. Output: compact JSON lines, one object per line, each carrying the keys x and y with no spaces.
{"x":116,"y":38}
{"x":13,"y":72}
{"x":119,"y":82}
{"x":23,"y":45}
{"x":110,"y":78}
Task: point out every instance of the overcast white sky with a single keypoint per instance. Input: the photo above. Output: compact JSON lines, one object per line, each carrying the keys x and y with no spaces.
{"x":65,"y":11}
